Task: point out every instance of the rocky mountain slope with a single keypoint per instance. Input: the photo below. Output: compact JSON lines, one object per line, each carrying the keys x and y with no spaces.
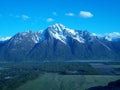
{"x":60,"y":43}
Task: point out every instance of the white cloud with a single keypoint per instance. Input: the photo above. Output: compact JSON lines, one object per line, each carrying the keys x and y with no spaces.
{"x":86,"y":14}
{"x":4,"y":38}
{"x":54,"y":13}
{"x":70,"y":14}
{"x":25,"y":17}
{"x":50,"y":20}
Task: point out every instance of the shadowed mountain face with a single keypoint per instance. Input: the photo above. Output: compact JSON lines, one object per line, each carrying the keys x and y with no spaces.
{"x":59,"y":43}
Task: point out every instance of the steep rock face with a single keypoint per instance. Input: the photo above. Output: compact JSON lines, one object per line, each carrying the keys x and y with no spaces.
{"x":60,"y":43}
{"x":50,"y":48}
{"x":19,"y":45}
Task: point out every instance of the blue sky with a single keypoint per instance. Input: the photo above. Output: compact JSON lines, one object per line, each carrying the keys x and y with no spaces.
{"x":96,"y":16}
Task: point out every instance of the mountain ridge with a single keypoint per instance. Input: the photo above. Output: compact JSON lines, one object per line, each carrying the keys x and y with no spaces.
{"x":58,"y":42}
{"x":61,"y":27}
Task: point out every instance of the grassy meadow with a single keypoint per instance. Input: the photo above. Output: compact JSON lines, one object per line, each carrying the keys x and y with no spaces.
{"x":50,"y":81}
{"x":57,"y":75}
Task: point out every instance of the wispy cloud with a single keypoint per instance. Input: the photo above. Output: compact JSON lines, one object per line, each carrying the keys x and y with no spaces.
{"x":70,"y":14}
{"x":25,"y":17}
{"x":86,"y":14}
{"x":54,"y":13}
{"x":50,"y":20}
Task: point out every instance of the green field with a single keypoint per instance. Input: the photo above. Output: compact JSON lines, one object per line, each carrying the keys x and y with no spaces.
{"x":54,"y":81}
{"x":57,"y":75}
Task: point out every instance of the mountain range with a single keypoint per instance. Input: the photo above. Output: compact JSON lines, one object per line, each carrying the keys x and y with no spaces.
{"x":59,"y":43}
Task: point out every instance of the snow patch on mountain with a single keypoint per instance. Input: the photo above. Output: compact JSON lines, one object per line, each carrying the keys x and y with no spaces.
{"x":58,"y":27}
{"x":109,"y":36}
{"x":112,"y":36}
{"x":63,"y":34}
{"x":28,"y":35}
{"x":35,"y":38}
{"x":59,"y":37}
{"x":5,"y":38}
{"x":60,"y":32}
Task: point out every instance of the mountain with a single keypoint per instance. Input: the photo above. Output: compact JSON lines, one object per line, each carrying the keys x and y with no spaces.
{"x":4,"y":38}
{"x":59,"y":43}
{"x":110,"y":36}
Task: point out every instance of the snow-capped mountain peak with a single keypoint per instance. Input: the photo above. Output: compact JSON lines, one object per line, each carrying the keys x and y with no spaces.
{"x":109,"y":36}
{"x":58,"y":42}
{"x":4,"y":38}
{"x":112,"y":36}
{"x":28,"y":35}
{"x":60,"y":32}
{"x":58,"y":27}
{"x":63,"y":34}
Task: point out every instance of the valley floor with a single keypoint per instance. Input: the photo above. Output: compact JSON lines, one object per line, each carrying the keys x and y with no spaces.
{"x":57,"y":75}
{"x":53,"y":81}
